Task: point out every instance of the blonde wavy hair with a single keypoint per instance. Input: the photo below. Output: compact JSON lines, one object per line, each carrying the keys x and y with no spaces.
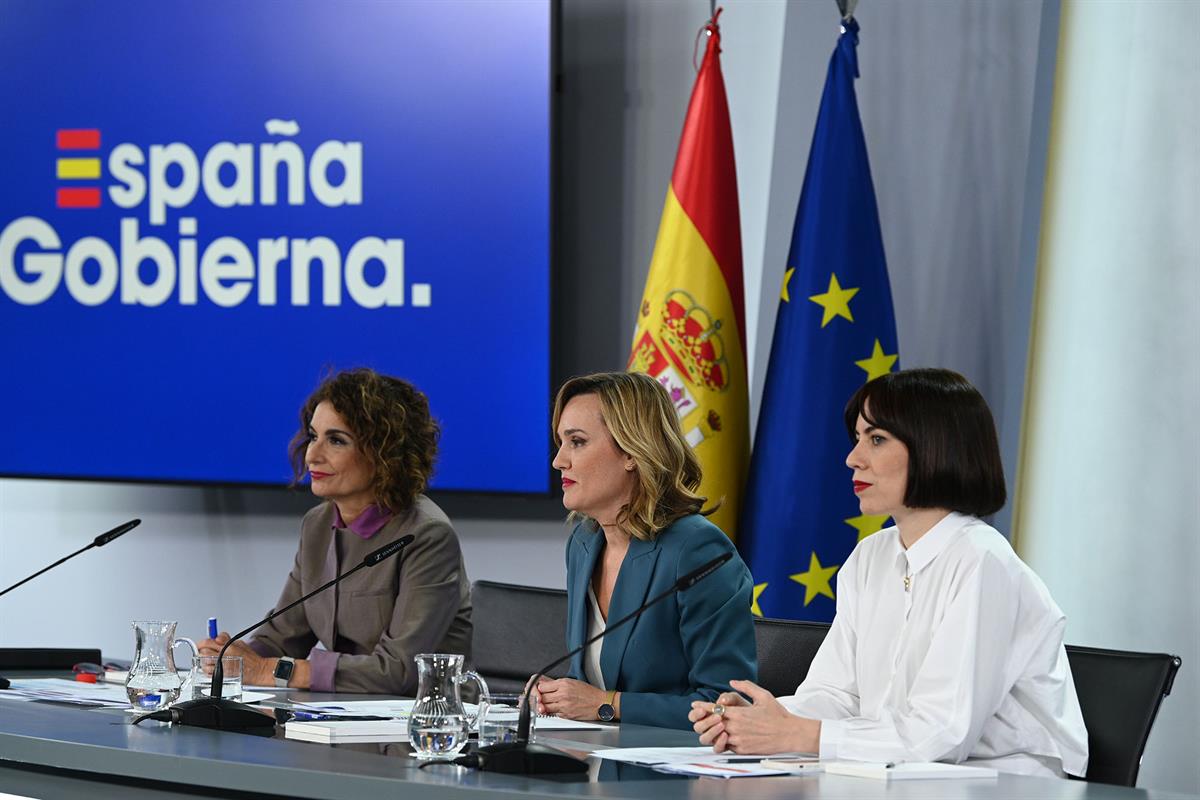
{"x":641,"y":418}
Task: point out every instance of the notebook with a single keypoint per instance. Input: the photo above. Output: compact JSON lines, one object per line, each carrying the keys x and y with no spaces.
{"x":912,"y":770}
{"x":348,"y":731}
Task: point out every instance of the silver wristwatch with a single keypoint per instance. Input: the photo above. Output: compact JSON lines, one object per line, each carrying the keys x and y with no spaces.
{"x":283,"y":671}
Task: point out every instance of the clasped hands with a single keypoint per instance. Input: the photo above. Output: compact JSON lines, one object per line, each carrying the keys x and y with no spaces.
{"x":569,"y":698}
{"x":761,"y":726}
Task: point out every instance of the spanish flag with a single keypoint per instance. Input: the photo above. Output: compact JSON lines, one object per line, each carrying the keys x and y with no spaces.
{"x":691,"y":327}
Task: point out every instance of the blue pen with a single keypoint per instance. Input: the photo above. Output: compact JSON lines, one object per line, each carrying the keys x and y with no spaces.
{"x":212,"y":627}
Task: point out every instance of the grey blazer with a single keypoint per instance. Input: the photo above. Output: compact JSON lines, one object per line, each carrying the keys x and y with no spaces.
{"x":376,"y":620}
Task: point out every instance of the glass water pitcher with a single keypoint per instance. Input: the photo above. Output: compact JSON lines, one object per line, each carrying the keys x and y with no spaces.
{"x":439,"y":724}
{"x":153,"y":681}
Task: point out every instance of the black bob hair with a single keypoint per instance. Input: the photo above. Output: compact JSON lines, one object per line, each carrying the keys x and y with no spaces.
{"x":953,"y":452}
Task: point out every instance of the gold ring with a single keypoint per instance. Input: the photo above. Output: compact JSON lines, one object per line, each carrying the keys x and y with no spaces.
{"x":718,"y":709}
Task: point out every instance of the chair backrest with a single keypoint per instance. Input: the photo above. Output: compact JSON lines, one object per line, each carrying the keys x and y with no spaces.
{"x":785,"y":650}
{"x":517,"y":630}
{"x":18,"y":658}
{"x":1120,"y":693}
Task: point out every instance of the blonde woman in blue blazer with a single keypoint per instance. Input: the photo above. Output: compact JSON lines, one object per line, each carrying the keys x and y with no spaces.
{"x":629,"y":479}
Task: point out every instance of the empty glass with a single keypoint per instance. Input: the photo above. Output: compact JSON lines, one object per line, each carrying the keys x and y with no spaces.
{"x":439,"y":725}
{"x":153,"y":681}
{"x":202,"y":672}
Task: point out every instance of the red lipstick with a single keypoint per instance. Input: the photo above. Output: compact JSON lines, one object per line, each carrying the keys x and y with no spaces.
{"x":860,"y":485}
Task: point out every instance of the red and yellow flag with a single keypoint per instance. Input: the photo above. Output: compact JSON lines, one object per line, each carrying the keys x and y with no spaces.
{"x":691,"y":328}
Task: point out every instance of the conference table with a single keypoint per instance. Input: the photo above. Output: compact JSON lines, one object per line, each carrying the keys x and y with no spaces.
{"x":50,"y":750}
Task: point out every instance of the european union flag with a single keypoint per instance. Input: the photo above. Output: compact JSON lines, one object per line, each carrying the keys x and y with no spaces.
{"x":835,"y":330}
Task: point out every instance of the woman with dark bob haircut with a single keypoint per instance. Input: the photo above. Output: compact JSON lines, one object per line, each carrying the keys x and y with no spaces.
{"x":945,"y":646}
{"x":629,"y":479}
{"x":367,"y":443}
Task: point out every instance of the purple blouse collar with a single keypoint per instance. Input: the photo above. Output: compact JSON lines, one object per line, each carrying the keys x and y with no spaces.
{"x":366,"y":524}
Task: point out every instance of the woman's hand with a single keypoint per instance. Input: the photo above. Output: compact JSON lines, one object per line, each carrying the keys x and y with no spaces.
{"x":707,"y":723}
{"x":569,"y":698}
{"x":256,"y":670}
{"x":761,"y":727}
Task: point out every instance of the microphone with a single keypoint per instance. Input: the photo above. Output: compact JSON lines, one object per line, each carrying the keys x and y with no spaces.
{"x":227,"y":715}
{"x":523,"y":757}
{"x":99,"y":541}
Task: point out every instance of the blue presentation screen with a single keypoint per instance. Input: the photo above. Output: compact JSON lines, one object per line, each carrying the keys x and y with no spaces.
{"x":207,"y":205}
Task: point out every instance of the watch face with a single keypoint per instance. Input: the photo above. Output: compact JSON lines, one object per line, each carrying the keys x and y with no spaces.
{"x":606,"y":713}
{"x":283,"y":670}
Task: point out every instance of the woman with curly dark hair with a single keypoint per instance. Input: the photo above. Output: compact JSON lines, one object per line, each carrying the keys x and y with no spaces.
{"x":368,"y":443}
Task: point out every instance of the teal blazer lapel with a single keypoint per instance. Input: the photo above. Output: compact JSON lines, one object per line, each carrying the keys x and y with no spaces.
{"x":593,"y":546}
{"x":633,"y":584}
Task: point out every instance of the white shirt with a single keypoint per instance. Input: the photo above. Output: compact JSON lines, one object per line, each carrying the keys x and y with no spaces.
{"x":966,"y":664}
{"x":591,"y":654}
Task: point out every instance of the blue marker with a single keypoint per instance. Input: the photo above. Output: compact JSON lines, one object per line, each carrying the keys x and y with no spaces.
{"x":212,"y":627}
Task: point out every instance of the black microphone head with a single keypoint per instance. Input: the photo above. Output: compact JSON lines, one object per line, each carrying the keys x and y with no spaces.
{"x":388,"y":550}
{"x":699,"y":574}
{"x":120,"y":530}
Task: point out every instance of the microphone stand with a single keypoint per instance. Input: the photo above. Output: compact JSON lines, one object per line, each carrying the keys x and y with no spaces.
{"x":523,"y":757}
{"x":228,"y":715}
{"x":99,"y":541}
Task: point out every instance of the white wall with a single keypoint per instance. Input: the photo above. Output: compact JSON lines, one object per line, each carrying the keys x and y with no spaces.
{"x":198,"y":553}
{"x":1110,"y":480}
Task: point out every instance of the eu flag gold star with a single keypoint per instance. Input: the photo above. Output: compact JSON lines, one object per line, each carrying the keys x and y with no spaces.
{"x":866,"y":524}
{"x":816,"y":580}
{"x":879,"y":363}
{"x":835,"y":301}
{"x":787,"y":276}
{"x":758,"y":590}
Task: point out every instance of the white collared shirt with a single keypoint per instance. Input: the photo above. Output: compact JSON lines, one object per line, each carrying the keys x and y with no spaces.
{"x":966,"y":663}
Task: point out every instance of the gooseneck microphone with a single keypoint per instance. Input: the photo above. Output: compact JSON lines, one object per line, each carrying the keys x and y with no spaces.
{"x":523,"y":757}
{"x":99,"y":541}
{"x":227,"y":715}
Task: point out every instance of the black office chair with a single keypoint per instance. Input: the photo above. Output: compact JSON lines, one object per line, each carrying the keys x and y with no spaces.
{"x":19,"y":658}
{"x":785,"y":650}
{"x":1120,"y":693}
{"x":517,"y":631}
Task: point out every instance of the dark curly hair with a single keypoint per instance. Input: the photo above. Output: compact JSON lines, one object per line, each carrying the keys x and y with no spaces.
{"x":390,"y":419}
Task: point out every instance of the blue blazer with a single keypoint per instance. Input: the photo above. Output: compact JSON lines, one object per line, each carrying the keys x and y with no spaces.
{"x":687,"y":647}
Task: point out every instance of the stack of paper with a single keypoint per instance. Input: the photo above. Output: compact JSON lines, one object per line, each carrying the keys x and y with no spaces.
{"x":348,"y":731}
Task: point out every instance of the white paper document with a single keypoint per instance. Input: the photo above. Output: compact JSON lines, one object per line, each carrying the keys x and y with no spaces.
{"x":696,"y":761}
{"x":96,"y":695}
{"x":60,"y":690}
{"x":400,"y":709}
{"x":912,"y":770}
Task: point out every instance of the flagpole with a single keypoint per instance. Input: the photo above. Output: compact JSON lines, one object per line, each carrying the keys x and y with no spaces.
{"x":846,"y":8}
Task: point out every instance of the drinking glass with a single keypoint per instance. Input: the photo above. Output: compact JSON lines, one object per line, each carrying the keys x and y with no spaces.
{"x":202,"y":672}
{"x":499,"y":721}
